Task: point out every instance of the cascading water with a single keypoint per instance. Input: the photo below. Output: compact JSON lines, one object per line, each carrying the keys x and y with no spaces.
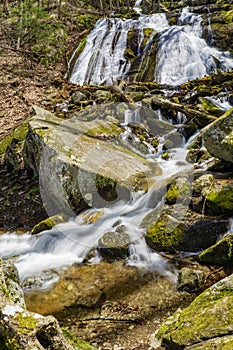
{"x":182,"y":54}
{"x":36,"y":256}
{"x":103,"y":59}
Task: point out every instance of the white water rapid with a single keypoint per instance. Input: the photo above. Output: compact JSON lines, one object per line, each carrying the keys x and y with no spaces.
{"x":182,"y":53}
{"x":41,"y":256}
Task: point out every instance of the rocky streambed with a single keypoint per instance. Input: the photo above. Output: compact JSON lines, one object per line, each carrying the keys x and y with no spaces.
{"x":110,"y":304}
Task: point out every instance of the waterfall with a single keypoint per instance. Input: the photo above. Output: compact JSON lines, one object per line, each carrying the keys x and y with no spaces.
{"x":181,"y":55}
{"x":103,"y":60}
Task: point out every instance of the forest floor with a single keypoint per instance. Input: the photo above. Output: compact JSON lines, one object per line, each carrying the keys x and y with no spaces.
{"x":21,"y":87}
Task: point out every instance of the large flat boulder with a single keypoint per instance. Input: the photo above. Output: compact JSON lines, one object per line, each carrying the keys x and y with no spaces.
{"x":82,"y":163}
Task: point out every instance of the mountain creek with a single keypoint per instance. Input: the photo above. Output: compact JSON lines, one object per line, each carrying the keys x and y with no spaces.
{"x":117,"y":185}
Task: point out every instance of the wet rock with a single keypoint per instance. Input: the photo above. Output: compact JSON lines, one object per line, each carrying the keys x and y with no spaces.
{"x":179,"y":191}
{"x":219,"y":198}
{"x":207,"y":106}
{"x":77,"y":166}
{"x":114,"y":244}
{"x":177,"y":228}
{"x":49,"y":223}
{"x":19,"y":328}
{"x":220,"y":253}
{"x":173,"y":140}
{"x":208,"y":317}
{"x":218,"y":137}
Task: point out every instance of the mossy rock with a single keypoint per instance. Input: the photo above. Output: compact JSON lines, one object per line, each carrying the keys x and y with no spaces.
{"x":203,"y":181}
{"x":179,"y":191}
{"x":82,"y":161}
{"x":219,"y":198}
{"x":17,"y":136}
{"x":219,"y":254}
{"x":209,"y":107}
{"x":218,"y":137}
{"x":49,"y":223}
{"x":207,"y":318}
{"x":177,"y":228}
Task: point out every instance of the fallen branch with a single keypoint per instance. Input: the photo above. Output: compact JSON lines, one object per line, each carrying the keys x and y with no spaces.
{"x":189,"y":112}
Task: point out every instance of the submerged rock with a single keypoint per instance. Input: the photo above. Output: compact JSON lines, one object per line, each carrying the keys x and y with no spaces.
{"x":205,"y":324}
{"x":177,"y":228}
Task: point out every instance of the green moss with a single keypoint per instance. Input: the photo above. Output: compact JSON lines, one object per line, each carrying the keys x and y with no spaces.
{"x":26,"y":324}
{"x":219,"y":254}
{"x":18,"y":133}
{"x":162,"y":238}
{"x":210,"y":107}
{"x":77,"y":344}
{"x":48,"y":223}
{"x":209,"y":316}
{"x":178,"y":190}
{"x":219,"y":199}
{"x":104,"y":131}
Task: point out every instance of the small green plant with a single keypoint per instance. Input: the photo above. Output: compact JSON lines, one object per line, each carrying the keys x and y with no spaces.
{"x":36,"y":31}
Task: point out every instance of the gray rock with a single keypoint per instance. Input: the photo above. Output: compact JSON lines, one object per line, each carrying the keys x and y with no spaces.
{"x":219,"y":254}
{"x":205,"y":323}
{"x":177,"y":228}
{"x":218,"y":137}
{"x":190,"y":280}
{"x":114,"y":244}
{"x":78,"y":164}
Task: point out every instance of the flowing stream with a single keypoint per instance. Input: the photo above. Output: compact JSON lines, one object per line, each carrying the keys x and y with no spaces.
{"x":182,"y":54}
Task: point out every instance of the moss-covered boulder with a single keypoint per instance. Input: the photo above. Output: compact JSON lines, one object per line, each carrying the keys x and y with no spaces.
{"x":219,"y":254}
{"x":82,"y":163}
{"x":11,"y":147}
{"x":205,"y":324}
{"x":179,"y":190}
{"x":218,"y":198}
{"x":218,"y":137}
{"x":19,"y":328}
{"x":177,"y":228}
{"x":48,"y":223}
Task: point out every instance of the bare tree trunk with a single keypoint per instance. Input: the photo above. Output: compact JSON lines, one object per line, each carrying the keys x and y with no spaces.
{"x":110,"y":5}
{"x":59,"y":9}
{"x":5,"y":6}
{"x":101,"y":5}
{"x":20,"y":21}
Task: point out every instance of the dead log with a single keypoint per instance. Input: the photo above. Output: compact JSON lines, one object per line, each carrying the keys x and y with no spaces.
{"x":201,"y":118}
